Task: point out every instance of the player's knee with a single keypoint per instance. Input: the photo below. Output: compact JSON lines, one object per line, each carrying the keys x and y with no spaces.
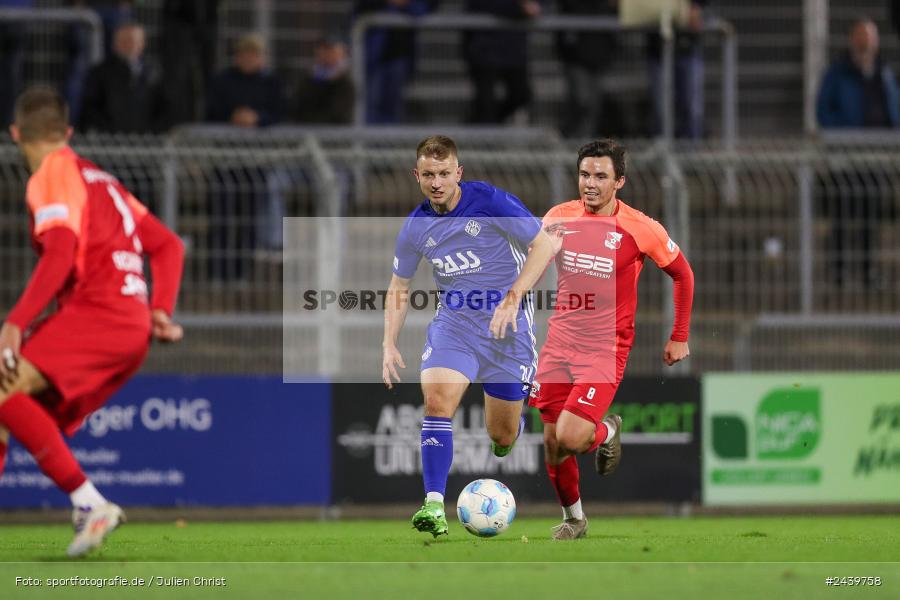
{"x":569,"y":441}
{"x":503,"y":437}
{"x":438,"y":404}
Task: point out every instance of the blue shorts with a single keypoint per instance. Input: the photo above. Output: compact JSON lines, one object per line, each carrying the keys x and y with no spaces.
{"x":504,"y":367}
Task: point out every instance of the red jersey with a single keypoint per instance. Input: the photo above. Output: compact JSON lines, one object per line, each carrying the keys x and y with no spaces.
{"x":598,"y":268}
{"x":69,"y":191}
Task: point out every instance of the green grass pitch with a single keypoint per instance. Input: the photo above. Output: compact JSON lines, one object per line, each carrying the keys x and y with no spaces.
{"x":714,"y":557}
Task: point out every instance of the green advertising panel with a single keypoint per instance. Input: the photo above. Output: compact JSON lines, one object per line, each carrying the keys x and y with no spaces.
{"x":782,"y":438}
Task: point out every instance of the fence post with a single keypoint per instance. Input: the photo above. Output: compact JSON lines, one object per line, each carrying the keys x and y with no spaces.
{"x":805,"y":223}
{"x":329,"y":261}
{"x":815,"y":57}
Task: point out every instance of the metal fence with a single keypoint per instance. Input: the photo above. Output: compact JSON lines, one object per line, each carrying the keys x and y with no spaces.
{"x":794,"y":244}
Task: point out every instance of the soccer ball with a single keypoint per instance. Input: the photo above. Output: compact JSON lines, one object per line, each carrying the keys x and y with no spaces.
{"x":486,"y":507}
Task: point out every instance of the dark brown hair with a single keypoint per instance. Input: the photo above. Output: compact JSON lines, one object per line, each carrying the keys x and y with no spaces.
{"x":41,"y":115}
{"x":439,"y":147}
{"x":605,"y":147}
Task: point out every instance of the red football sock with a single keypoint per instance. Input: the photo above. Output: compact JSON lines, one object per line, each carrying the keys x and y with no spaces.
{"x":564,"y":478}
{"x":29,"y":423}
{"x":599,"y":436}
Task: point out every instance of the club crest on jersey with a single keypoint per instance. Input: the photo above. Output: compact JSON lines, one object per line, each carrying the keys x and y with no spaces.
{"x":473,"y":228}
{"x":613,"y":240}
{"x":671,"y":245}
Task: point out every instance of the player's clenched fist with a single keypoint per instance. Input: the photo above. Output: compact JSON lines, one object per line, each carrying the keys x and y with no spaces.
{"x":10,"y":343}
{"x":675,"y":352}
{"x":389,"y":364}
{"x":164,"y":329}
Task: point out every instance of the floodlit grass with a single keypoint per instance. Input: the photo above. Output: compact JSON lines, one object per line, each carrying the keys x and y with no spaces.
{"x":715,"y":557}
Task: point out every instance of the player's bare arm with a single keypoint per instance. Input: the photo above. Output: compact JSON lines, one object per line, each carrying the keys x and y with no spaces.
{"x":541,"y":251}
{"x":396,"y":305}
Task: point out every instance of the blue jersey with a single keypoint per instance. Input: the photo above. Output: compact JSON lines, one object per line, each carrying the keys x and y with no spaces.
{"x":476,"y":252}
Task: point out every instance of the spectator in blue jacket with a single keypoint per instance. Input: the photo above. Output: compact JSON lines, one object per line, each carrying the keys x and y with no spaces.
{"x":859,"y":90}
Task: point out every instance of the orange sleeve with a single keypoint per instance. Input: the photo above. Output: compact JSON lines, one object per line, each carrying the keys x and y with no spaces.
{"x":56,"y":194}
{"x":651,"y":237}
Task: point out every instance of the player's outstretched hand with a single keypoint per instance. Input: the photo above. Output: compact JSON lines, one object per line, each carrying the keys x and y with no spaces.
{"x":164,"y":329}
{"x":504,"y":315}
{"x":675,"y":352}
{"x":10,"y":344}
{"x":389,"y":364}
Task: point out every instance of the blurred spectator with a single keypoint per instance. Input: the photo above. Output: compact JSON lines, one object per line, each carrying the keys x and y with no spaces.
{"x":246,"y":94}
{"x":112,"y":14}
{"x":585,"y":57}
{"x":12,"y":54}
{"x":499,"y":56}
{"x":858,"y":91}
{"x":123,"y":94}
{"x":326,"y":93}
{"x":390,"y":58}
{"x":688,"y":78}
{"x":187,"y":47}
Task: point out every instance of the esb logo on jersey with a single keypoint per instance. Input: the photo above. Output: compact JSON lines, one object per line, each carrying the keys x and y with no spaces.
{"x":576,"y":261}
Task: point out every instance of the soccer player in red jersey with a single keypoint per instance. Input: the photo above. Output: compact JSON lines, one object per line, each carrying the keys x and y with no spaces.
{"x":91,"y":235}
{"x":601,"y":244}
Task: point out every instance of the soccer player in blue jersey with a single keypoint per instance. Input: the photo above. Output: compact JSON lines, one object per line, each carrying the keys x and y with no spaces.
{"x":477,"y":239}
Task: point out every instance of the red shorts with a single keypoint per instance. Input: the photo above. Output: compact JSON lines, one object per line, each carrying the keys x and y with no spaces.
{"x":584,"y":385}
{"x":85,"y":361}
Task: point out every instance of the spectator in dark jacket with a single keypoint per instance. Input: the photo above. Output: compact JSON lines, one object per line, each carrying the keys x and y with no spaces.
{"x":326,"y":93}
{"x":188,"y":34}
{"x":123,"y":94}
{"x":586,"y":56}
{"x":859,"y":90}
{"x":499,"y":56}
{"x":246,"y":94}
{"x":112,"y":14}
{"x":390,"y":58}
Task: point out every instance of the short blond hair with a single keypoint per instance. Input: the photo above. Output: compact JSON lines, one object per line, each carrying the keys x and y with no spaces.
{"x":439,"y":147}
{"x":41,"y":114}
{"x":253,"y":42}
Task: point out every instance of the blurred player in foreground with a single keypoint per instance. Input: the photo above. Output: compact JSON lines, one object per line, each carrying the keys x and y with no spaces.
{"x":601,"y":244}
{"x":476,"y":238}
{"x":91,"y":235}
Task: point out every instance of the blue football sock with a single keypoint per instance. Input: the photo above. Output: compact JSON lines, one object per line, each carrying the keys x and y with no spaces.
{"x":437,"y":453}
